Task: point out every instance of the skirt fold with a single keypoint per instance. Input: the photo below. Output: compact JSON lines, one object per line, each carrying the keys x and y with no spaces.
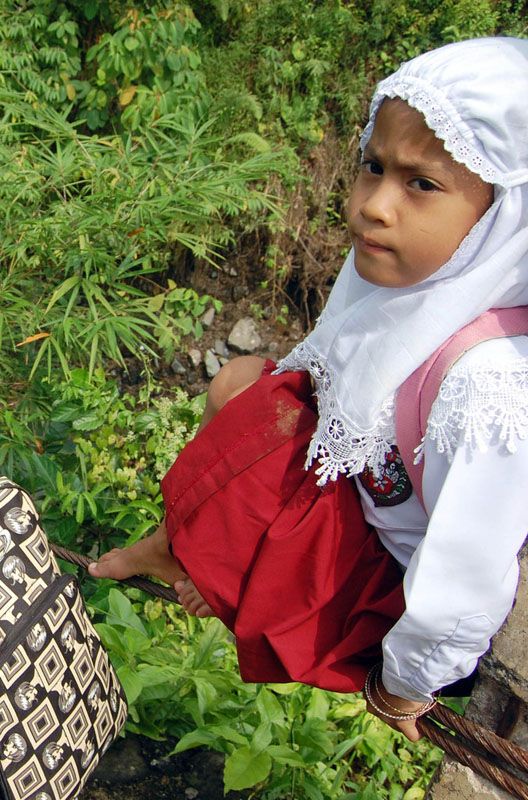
{"x":291,"y":568}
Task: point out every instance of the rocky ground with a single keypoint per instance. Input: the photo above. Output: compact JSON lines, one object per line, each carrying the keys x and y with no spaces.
{"x":247,"y":324}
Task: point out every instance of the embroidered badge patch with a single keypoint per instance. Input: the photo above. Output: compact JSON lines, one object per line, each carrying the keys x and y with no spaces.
{"x":392,"y":486}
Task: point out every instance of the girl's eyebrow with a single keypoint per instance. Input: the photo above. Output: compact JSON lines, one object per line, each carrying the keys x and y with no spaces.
{"x":427,"y":167}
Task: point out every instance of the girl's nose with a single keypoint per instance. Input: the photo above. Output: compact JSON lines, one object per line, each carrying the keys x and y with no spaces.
{"x":379,"y":204}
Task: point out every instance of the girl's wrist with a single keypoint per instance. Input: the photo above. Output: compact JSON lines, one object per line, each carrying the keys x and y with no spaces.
{"x":391,"y":706}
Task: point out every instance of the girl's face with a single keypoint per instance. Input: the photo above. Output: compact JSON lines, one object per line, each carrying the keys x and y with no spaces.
{"x":411,"y":205}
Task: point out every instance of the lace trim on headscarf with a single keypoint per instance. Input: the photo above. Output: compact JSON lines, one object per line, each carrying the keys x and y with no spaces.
{"x":476,"y":404}
{"x":440,"y":116}
{"x":336,"y":445}
{"x":473,"y":406}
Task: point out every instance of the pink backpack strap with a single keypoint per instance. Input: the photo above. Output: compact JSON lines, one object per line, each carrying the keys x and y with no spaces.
{"x":416,"y":396}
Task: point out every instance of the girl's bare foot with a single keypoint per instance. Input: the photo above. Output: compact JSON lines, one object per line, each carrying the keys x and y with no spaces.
{"x":191,"y":599}
{"x":149,"y":556}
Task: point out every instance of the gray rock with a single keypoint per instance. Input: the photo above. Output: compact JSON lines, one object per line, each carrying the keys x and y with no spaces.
{"x":207,"y":319}
{"x":223,"y":361}
{"x":195,"y":356}
{"x":212,"y":364}
{"x":273,"y":347}
{"x":244,"y":338}
{"x":220,"y":348}
{"x":238,"y":292}
{"x":233,"y":273}
{"x":177,"y":367}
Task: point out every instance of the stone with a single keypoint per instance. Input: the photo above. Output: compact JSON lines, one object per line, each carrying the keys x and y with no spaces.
{"x":195,"y":357}
{"x":212,"y":364}
{"x":238,"y":292}
{"x":223,"y":361}
{"x":488,"y":702}
{"x":177,"y":367}
{"x":508,"y":654}
{"x":244,"y":338}
{"x":233,"y":273}
{"x":273,"y":347}
{"x":207,"y":319}
{"x":453,"y":781}
{"x":220,"y":348}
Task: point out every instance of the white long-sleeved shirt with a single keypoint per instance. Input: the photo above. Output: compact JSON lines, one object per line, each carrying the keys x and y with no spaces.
{"x":460,"y":553}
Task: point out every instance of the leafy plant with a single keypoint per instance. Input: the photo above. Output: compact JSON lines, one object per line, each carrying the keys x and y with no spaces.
{"x":95,"y":216}
{"x":145,"y":69}
{"x":94,"y":456}
{"x":281,"y":740}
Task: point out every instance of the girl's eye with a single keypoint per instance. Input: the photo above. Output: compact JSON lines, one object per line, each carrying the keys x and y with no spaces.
{"x":374,"y":167}
{"x":424,"y":185}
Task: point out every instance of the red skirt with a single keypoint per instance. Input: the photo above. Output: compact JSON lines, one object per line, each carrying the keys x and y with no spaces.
{"x":291,"y":568}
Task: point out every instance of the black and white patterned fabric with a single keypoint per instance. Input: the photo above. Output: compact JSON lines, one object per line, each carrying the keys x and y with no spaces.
{"x":61,"y":705}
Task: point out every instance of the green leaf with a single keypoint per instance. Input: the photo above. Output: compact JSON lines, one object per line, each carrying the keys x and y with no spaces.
{"x":136,"y":642}
{"x":121,"y":611}
{"x":261,"y":738}
{"x":197,"y":738}
{"x":270,"y":709}
{"x":111,"y":638}
{"x":90,"y":9}
{"x":130,"y":681}
{"x":285,"y":755}
{"x":318,"y":706}
{"x":79,"y":510}
{"x":298,"y":51}
{"x":228,"y":733}
{"x":414,"y":793}
{"x":87,"y":422}
{"x":63,"y":289}
{"x":253,"y":140}
{"x":284,"y":688}
{"x":244,"y":769}
{"x":205,"y":693}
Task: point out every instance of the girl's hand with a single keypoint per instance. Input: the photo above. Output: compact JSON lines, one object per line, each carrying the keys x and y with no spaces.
{"x":390,"y":702}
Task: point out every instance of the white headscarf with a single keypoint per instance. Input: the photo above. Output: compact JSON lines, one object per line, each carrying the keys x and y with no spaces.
{"x":369,"y":339}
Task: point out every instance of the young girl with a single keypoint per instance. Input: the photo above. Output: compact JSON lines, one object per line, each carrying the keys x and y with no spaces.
{"x":283,"y":555}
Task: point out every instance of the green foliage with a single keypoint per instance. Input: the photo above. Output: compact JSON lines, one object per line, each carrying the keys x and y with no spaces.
{"x":281,"y":740}
{"x":95,"y":456}
{"x":308,"y":63}
{"x":92,"y":216}
{"x":147,"y":67}
{"x":39,"y":51}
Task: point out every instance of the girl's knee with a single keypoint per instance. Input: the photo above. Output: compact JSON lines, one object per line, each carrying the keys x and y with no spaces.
{"x":233,"y":378}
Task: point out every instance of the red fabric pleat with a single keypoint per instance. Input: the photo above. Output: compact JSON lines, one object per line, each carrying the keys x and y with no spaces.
{"x":291,"y":568}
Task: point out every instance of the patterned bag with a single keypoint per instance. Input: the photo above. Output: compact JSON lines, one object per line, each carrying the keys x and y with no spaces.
{"x":61,"y":705}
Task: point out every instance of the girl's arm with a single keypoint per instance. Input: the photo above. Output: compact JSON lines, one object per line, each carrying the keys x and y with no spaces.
{"x":462,"y":578}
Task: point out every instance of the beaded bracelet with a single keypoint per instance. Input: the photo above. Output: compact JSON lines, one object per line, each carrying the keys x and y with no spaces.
{"x":402,"y":716}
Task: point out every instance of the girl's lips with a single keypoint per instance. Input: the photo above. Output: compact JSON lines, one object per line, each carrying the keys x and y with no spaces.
{"x":370,"y":246}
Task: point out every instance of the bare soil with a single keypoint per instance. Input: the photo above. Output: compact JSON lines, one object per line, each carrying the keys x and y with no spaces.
{"x":137,"y":768}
